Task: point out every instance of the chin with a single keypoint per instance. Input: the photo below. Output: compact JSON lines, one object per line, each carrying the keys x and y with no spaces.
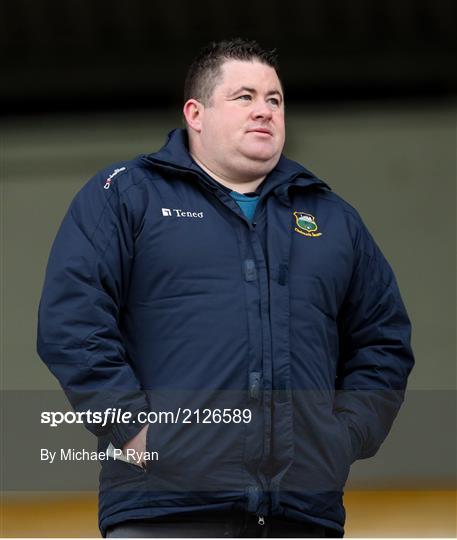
{"x":262,"y":151}
{"x":261,"y":154}
{"x":268,"y":158}
{"x":257,"y":166}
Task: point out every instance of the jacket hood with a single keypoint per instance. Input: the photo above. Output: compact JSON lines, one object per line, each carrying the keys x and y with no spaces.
{"x":287,"y":173}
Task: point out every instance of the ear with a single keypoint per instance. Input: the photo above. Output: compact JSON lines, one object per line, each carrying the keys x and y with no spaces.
{"x":193,"y":111}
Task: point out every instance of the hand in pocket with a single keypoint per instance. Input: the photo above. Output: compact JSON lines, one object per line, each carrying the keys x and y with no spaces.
{"x":134,"y":449}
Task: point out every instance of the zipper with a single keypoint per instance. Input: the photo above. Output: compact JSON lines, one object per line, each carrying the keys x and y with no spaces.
{"x":254,"y":385}
{"x":216,"y":192}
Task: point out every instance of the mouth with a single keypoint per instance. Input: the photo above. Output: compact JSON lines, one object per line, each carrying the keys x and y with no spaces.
{"x":261,"y":131}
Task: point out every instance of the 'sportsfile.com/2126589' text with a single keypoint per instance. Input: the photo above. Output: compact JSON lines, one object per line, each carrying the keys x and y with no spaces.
{"x":181,"y":415}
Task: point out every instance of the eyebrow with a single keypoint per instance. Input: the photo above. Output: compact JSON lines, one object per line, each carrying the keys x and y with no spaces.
{"x":253,"y":91}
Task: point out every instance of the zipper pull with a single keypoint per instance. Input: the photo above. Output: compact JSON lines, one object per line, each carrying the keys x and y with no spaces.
{"x":261,"y":520}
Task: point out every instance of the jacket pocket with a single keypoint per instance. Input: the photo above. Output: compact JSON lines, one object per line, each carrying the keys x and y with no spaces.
{"x":339,"y":456}
{"x":119,"y":475}
{"x":196,"y":450}
{"x":322,"y":446}
{"x":346,"y":429}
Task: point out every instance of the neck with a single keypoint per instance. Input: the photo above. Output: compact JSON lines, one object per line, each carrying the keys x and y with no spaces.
{"x":240,"y":186}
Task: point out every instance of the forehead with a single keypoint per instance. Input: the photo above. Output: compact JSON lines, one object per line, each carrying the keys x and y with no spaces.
{"x":251,"y":74}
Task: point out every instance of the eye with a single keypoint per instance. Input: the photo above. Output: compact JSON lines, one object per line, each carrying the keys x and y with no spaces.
{"x":274,"y":101}
{"x":245,"y":97}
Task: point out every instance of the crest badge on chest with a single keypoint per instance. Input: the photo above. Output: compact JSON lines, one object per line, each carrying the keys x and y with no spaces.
{"x":306,"y":224}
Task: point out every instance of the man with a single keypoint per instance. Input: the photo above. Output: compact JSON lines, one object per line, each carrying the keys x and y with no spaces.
{"x":230,"y":292}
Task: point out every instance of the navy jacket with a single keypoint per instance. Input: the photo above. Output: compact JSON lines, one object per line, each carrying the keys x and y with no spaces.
{"x":161,"y":296}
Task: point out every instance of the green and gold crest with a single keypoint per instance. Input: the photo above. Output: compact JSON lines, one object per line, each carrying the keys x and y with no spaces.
{"x":306,"y":224}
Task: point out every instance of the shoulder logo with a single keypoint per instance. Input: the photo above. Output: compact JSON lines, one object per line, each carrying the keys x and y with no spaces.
{"x":306,"y":224}
{"x":111,"y":176}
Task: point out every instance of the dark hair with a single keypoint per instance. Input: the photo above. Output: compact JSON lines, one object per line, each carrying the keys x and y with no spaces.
{"x":205,"y":70}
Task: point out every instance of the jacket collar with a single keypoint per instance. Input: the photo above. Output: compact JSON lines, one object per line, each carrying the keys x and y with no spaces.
{"x":287,"y":173}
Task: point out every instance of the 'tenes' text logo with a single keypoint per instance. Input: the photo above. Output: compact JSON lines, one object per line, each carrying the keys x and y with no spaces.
{"x":181,"y":213}
{"x":306,"y":224}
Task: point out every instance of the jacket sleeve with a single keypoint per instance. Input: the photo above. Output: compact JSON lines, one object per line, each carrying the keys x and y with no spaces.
{"x":375,"y":352}
{"x":86,"y":283}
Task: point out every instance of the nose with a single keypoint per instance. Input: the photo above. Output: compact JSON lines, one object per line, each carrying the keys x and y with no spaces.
{"x":261,"y":111}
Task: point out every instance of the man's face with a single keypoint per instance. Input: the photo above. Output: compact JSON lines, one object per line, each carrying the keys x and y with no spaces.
{"x":242,"y":127}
